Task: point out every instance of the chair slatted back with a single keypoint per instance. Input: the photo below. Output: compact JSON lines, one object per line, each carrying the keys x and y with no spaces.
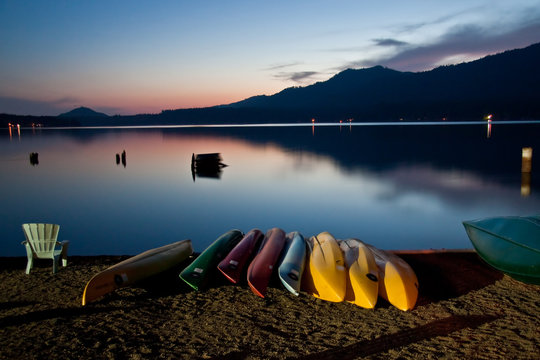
{"x":41,"y":237}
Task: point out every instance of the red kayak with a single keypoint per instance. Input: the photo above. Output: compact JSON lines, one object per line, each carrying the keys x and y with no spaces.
{"x":260,"y":269}
{"x":233,"y":264}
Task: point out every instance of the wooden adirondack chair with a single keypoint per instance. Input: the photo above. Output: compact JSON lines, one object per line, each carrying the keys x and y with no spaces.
{"x":41,"y":243}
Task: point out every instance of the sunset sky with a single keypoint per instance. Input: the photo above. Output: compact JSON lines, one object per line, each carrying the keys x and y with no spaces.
{"x":128,"y":57}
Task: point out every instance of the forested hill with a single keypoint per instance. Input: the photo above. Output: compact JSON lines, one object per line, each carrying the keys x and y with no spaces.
{"x":505,"y":85}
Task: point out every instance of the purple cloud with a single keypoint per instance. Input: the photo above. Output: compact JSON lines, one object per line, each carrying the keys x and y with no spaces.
{"x":389,"y":42}
{"x":297,"y":76}
{"x":465,"y":40}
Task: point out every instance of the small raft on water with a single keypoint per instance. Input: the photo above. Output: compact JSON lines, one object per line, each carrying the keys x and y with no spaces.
{"x":207,"y":165}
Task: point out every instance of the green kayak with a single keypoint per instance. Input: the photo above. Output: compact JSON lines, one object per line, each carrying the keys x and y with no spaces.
{"x":510,"y":244}
{"x":197,"y":273}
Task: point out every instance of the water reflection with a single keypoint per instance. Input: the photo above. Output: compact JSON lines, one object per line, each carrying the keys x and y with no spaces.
{"x":34,"y":159}
{"x":207,"y":166}
{"x":396,"y":187}
{"x":526,"y":169}
{"x":10,"y":127}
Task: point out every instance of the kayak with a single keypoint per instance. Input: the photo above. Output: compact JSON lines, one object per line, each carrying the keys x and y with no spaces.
{"x":510,"y":244}
{"x":234,"y":263}
{"x":363,"y":279}
{"x":291,"y":267}
{"x":261,"y":268}
{"x":327,"y":269}
{"x":197,"y":273}
{"x":136,"y":268}
{"x":398,"y":283}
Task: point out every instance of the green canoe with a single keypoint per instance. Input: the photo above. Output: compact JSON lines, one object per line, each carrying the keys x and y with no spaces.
{"x":510,"y":244}
{"x":197,"y":273}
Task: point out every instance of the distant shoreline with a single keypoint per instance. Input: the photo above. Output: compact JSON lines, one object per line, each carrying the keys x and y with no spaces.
{"x":322,"y":124}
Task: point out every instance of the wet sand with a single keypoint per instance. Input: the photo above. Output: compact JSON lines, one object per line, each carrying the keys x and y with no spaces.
{"x":465,"y":310}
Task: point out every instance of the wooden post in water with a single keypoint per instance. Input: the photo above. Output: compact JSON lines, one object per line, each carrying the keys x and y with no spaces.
{"x":526,"y":169}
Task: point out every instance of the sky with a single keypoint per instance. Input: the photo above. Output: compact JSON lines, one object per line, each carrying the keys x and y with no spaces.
{"x":129,"y":57}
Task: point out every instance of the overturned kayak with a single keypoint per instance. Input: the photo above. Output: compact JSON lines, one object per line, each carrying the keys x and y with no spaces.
{"x":398,"y":283}
{"x":292,"y":266}
{"x":261,"y":268}
{"x":363,"y":274}
{"x":510,"y":244}
{"x":234,"y":263}
{"x":197,"y":273}
{"x":136,"y":268}
{"x":328,"y":278}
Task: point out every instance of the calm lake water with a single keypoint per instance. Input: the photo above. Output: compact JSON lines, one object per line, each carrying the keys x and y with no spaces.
{"x":395,"y":186}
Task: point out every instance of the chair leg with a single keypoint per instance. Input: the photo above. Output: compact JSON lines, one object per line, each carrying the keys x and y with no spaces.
{"x":64,"y":253}
{"x":55,"y":264}
{"x":30,"y":256}
{"x":30,"y":264}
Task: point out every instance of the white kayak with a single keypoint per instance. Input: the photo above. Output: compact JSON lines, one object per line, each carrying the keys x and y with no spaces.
{"x":136,"y":268}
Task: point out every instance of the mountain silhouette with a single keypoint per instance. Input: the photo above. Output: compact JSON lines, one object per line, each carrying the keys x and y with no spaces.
{"x":505,"y":83}
{"x":82,"y":112}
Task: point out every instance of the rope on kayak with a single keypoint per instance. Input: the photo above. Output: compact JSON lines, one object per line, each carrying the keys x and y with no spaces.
{"x":318,"y":242}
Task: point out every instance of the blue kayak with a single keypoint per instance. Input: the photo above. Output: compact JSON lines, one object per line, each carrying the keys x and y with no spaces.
{"x":292,"y":266}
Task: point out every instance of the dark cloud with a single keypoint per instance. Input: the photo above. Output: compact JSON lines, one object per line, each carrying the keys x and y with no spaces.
{"x":297,"y":76}
{"x":281,"y":66}
{"x":389,"y":42}
{"x":468,"y":39}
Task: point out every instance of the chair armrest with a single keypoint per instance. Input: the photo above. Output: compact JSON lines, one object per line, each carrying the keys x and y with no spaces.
{"x":24,"y":242}
{"x":65,"y":242}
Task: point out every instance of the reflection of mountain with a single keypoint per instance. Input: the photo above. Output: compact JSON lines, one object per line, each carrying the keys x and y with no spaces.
{"x":450,"y":148}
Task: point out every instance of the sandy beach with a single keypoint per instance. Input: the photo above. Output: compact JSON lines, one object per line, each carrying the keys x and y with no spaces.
{"x":465,"y":310}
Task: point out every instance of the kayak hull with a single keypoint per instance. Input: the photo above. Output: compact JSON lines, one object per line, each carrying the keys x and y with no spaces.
{"x":509,"y":244}
{"x":197,"y":273}
{"x":292,"y":266}
{"x":135,"y":269}
{"x":398,"y":283}
{"x":234,"y":263}
{"x":327,"y":269}
{"x":363,"y":274}
{"x":262,"y":266}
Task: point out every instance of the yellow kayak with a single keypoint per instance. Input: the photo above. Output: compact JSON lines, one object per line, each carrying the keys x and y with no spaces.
{"x":327,"y":269}
{"x":397,"y":281}
{"x":363,"y":279}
